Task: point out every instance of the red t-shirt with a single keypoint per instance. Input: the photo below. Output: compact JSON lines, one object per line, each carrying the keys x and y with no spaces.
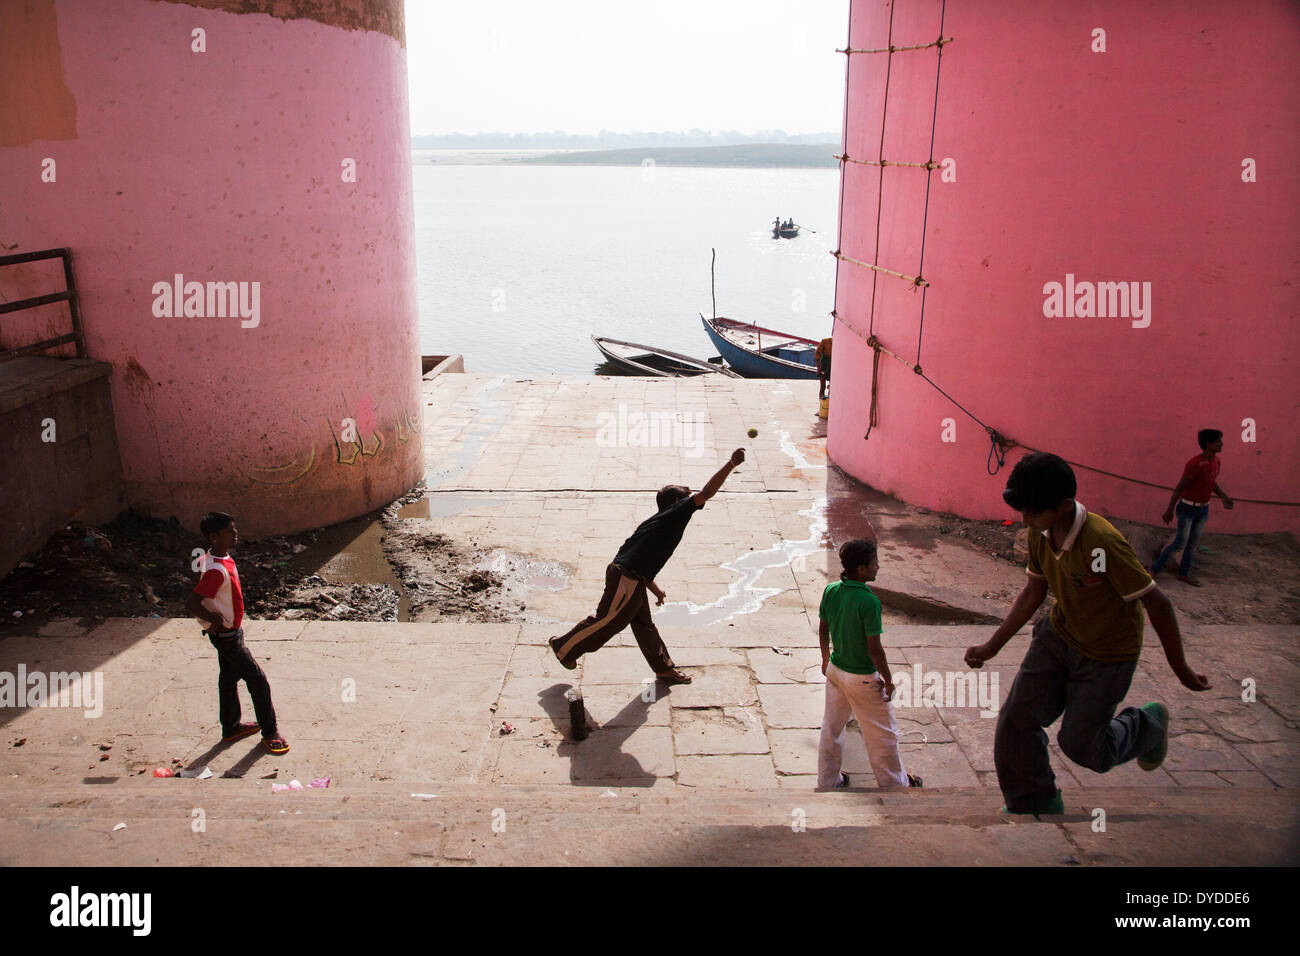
{"x":1201,"y":473}
{"x":219,"y":586}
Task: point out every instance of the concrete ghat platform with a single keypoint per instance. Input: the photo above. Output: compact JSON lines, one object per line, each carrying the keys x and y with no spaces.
{"x":710,"y":772}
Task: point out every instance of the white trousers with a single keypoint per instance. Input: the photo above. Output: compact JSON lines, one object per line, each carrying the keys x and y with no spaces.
{"x":862,"y":696}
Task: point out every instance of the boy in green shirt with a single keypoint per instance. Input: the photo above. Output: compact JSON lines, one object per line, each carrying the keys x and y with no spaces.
{"x":1083,"y":655}
{"x":858,"y":681}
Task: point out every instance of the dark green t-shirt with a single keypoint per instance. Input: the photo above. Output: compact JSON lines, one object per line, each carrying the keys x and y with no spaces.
{"x":853,"y":614}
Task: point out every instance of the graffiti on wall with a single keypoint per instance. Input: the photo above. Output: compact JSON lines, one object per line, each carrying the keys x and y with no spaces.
{"x":354,"y":438}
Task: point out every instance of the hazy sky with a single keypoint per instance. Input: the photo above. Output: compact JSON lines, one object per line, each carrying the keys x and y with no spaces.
{"x":528,"y":66}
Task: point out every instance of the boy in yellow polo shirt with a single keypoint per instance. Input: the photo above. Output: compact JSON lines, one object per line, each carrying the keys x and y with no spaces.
{"x":1083,"y":655}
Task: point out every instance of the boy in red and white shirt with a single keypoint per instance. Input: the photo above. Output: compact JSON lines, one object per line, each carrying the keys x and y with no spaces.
{"x":218,"y":602}
{"x":1191,"y":499}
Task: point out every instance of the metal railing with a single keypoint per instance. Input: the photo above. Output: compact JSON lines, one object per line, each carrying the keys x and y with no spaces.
{"x":68,"y":295}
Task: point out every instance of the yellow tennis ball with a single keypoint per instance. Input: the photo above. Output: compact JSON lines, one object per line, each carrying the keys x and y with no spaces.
{"x":753,"y":433}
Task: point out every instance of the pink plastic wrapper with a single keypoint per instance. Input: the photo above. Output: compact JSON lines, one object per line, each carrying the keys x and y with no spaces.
{"x":164,"y":772}
{"x":320,"y":782}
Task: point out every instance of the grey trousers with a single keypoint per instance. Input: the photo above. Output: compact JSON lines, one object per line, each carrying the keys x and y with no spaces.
{"x":1055,"y":680}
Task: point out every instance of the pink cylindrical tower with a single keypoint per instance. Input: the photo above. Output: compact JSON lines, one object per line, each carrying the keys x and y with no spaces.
{"x":234,"y":181}
{"x":1094,"y":253}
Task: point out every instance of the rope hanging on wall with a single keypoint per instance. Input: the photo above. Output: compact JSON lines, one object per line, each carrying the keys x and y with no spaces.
{"x":899,"y":49}
{"x":872,"y":162}
{"x":913,"y":280}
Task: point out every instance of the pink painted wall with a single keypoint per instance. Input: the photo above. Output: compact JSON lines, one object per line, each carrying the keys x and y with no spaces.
{"x":1123,"y":165}
{"x":226,"y":166}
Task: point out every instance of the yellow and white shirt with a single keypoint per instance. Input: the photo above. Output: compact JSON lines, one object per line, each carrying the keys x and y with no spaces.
{"x":1097,"y":581}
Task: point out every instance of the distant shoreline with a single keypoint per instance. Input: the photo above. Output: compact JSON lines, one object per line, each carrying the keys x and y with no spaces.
{"x":750,"y":155}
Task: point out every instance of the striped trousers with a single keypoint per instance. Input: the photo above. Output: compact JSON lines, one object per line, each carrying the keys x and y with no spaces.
{"x":624,"y":602}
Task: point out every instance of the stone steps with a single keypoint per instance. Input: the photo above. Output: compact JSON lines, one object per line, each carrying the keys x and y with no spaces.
{"x":383,"y":823}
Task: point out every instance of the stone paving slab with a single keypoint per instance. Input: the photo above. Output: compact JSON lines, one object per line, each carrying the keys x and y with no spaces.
{"x":736,"y":730}
{"x":793,"y":705}
{"x":627,"y":705}
{"x":720,"y":686}
{"x":731,"y":771}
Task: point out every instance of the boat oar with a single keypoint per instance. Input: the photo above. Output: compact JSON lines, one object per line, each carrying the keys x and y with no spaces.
{"x":813,"y":231}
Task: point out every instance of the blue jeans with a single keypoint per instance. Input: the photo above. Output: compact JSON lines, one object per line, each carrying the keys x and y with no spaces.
{"x":1190,"y":521}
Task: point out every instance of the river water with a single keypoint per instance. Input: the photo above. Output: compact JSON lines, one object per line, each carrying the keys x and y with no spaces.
{"x":520,"y":265}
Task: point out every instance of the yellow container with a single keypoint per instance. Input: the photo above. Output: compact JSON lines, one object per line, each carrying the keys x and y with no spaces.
{"x":825,"y":408}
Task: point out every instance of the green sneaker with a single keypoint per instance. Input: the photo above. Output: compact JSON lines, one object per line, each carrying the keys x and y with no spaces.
{"x":1049,"y":807}
{"x":1154,"y":757}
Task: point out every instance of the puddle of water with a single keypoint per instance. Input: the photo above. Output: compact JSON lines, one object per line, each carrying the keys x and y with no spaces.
{"x":520,"y":575}
{"x":519,"y":570}
{"x":743,"y":597}
{"x":416,"y":509}
{"x":789,"y":447}
{"x":445,"y":506}
{"x":792,"y":450}
{"x":359,"y":559}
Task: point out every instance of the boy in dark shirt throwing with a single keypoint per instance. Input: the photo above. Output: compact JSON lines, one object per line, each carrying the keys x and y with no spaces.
{"x":632,"y":573}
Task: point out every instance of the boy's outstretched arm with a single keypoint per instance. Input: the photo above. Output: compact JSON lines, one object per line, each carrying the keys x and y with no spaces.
{"x":1030,"y":598}
{"x":1161,"y":613}
{"x":711,"y":487}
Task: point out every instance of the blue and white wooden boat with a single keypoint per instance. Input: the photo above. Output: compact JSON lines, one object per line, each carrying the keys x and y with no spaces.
{"x":756,"y":352}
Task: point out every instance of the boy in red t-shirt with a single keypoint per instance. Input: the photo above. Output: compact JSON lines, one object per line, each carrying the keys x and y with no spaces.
{"x":1191,"y":499}
{"x":218,"y":602}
